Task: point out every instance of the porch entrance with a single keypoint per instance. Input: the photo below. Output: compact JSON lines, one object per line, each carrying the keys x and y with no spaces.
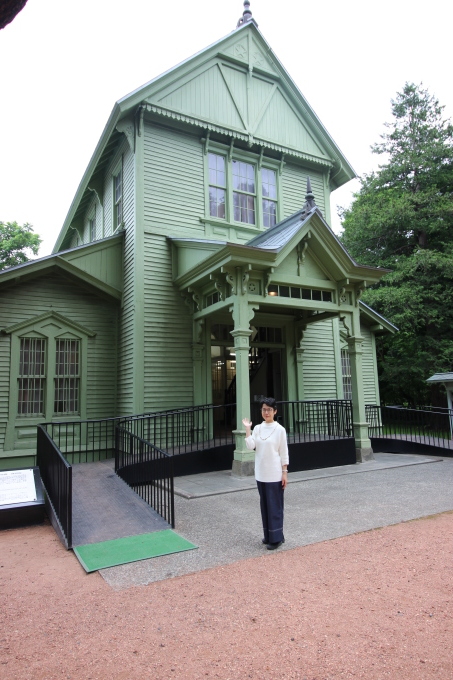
{"x":265,"y":371}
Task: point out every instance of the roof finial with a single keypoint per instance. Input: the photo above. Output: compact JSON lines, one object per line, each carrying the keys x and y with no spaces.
{"x":246,"y":15}
{"x":310,"y":197}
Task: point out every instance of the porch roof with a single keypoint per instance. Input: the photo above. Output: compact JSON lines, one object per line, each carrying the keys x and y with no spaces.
{"x":269,"y":248}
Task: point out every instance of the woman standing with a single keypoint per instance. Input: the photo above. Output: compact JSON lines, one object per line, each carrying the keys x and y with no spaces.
{"x":271,"y":470}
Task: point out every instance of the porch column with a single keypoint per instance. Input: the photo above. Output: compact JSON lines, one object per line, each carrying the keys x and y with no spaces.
{"x":243,"y":312}
{"x":363,"y":448}
{"x":300,"y":373}
{"x":197,"y":363}
{"x":198,"y":347}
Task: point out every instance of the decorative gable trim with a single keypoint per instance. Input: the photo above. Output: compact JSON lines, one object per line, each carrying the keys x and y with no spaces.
{"x":234,"y":134}
{"x":259,"y":59}
{"x":55,"y":316}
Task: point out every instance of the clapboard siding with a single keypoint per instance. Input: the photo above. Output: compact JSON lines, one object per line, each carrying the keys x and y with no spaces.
{"x":91,"y":213}
{"x":168,"y":332}
{"x":319,"y":362}
{"x":5,"y":354}
{"x":126,"y":331}
{"x":104,"y":262}
{"x":75,"y":240}
{"x":123,"y":158}
{"x":370,"y":388}
{"x":52,"y":292}
{"x":128,"y":187}
{"x":173,"y":183}
{"x":126,"y":336}
{"x":294,"y":188}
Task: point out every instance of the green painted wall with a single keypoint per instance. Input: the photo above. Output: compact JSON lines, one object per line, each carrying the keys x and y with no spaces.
{"x":132,"y":279}
{"x":174,"y":197}
{"x":294,"y":184}
{"x":53,"y":292}
{"x":319,"y":361}
{"x":369,"y":367}
{"x":168,"y":332}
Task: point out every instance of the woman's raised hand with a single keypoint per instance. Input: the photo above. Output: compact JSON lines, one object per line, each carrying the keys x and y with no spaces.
{"x":246,"y":423}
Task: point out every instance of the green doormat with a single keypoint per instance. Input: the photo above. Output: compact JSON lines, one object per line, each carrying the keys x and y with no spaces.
{"x":130,"y":549}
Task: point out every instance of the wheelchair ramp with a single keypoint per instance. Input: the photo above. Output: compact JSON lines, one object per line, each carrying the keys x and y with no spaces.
{"x":105,"y":508}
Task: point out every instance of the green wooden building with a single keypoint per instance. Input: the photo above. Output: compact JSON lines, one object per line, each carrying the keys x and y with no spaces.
{"x":197,"y":245}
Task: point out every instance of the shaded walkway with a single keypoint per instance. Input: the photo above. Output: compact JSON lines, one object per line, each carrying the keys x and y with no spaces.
{"x":104,"y":507}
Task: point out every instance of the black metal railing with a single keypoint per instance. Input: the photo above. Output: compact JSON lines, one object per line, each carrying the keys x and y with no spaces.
{"x":184,"y":430}
{"x":432,"y":427}
{"x":144,"y":445}
{"x":147,"y":470}
{"x":312,"y":420}
{"x":56,"y":475}
{"x":85,"y":441}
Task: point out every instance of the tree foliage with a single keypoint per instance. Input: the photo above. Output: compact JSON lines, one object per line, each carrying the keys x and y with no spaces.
{"x":17,"y":244}
{"x":402,"y":218}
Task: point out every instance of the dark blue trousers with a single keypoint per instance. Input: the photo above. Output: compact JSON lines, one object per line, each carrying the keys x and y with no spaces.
{"x":271,"y":504}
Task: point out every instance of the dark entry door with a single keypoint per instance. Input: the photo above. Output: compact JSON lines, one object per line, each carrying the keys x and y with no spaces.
{"x":265,"y":370}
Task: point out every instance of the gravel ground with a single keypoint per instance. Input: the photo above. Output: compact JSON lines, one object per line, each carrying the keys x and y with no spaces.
{"x":374,"y":605}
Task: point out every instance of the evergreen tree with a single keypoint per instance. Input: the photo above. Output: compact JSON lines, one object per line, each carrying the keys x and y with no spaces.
{"x":402,"y":218}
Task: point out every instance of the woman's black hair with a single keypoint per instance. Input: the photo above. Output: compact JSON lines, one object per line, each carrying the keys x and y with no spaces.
{"x":269,"y":401}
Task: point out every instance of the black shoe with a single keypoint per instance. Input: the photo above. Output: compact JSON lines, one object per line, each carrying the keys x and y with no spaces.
{"x":274,"y":546}
{"x":263,"y":540}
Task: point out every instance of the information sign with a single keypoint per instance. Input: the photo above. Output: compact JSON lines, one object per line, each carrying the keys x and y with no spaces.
{"x":17,"y":486}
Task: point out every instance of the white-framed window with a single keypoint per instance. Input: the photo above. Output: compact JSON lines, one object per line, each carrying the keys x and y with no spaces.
{"x":242,"y":190}
{"x":269,"y":191}
{"x":118,"y":199}
{"x":217,"y":185}
{"x":346,"y":374}
{"x":92,"y":227}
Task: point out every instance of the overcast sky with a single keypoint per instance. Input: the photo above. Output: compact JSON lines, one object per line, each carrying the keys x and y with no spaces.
{"x":64,"y":63}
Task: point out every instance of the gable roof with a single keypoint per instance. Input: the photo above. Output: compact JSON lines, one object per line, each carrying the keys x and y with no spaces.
{"x":287,"y":234}
{"x":62,"y":263}
{"x":215,"y":66}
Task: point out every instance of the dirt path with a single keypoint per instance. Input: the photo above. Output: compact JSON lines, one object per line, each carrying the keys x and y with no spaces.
{"x":374,"y":605}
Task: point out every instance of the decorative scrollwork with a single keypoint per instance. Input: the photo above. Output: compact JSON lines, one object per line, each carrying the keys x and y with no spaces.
{"x":219,"y":286}
{"x":196,"y":298}
{"x":230,"y":279}
{"x":358,"y":293}
{"x":268,"y":280}
{"x":345,"y":326}
{"x":245,"y":280}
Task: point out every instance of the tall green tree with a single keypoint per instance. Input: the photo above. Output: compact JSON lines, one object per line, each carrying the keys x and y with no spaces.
{"x":17,"y":244}
{"x":402,"y":218}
